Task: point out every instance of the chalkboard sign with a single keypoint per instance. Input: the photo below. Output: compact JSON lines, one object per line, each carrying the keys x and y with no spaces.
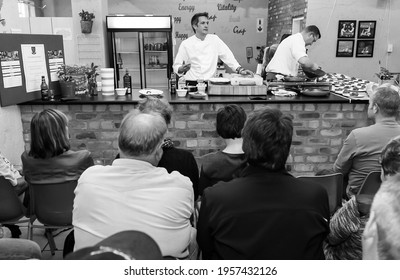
{"x":24,"y":59}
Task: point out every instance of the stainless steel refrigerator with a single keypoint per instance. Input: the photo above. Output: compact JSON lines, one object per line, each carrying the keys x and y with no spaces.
{"x":143,"y":46}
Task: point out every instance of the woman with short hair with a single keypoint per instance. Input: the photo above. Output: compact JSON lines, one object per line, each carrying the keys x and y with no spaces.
{"x":50,"y":159}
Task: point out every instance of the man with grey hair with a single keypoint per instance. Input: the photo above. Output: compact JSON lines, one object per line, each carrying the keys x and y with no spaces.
{"x":360,"y":152}
{"x":134,"y":194}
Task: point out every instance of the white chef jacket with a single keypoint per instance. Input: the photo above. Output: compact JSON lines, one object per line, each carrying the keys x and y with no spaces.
{"x":287,"y":55}
{"x":203,"y":56}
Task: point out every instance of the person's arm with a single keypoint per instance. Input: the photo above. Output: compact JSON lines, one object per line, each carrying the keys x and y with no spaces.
{"x":307,"y":63}
{"x":344,"y":160}
{"x":179,"y":65}
{"x":226,"y":55}
{"x":10,"y":175}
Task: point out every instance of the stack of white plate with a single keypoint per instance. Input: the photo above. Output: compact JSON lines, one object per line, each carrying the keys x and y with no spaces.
{"x":107,"y":81}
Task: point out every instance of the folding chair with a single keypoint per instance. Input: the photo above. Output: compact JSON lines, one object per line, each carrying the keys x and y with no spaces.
{"x":51,"y":205}
{"x":371,"y":183}
{"x":11,"y":208}
{"x":333,"y":184}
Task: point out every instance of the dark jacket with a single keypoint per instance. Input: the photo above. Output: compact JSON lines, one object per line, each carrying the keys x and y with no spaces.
{"x":263,"y":215}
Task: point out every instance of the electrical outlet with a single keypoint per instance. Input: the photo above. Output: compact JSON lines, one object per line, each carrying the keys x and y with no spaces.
{"x":390,"y":48}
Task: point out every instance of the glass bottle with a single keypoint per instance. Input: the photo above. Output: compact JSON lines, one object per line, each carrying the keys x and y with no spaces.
{"x":44,"y":90}
{"x":172,"y":83}
{"x":128,"y":82}
{"x":119,"y":61}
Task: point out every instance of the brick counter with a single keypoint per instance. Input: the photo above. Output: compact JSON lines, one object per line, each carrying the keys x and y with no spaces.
{"x":319,"y":128}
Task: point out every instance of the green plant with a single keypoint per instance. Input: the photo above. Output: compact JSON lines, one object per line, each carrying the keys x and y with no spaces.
{"x":86,"y":16}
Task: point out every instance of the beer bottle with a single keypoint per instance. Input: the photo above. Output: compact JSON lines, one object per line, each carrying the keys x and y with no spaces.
{"x":128,"y":82}
{"x":44,"y":90}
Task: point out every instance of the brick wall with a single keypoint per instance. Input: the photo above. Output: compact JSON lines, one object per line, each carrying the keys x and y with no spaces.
{"x":280,"y":14}
{"x":319,"y":129}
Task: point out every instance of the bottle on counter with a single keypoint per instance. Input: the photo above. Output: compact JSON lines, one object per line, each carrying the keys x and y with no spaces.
{"x":44,"y":90}
{"x":128,"y":82}
{"x":172,"y":83}
{"x":181,"y":82}
{"x":119,"y":61}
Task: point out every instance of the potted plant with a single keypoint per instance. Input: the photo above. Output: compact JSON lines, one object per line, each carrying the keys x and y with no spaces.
{"x":86,"y":21}
{"x":67,"y":83}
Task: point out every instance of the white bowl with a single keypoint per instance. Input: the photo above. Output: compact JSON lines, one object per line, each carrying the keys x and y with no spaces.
{"x":121,"y":91}
{"x":181,"y":92}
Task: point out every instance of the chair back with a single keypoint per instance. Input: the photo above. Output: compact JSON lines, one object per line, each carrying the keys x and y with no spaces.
{"x":333,"y":184}
{"x":371,"y":183}
{"x":52,"y":203}
{"x":11,"y":209}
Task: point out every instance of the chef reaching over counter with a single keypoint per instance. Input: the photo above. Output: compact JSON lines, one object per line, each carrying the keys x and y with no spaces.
{"x":198,"y":55}
{"x":291,"y":52}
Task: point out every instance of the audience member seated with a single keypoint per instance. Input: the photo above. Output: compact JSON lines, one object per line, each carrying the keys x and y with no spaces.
{"x":50,"y":159}
{"x":266,"y":213}
{"x":381,"y":238}
{"x":348,"y":223}
{"x":226,"y":164}
{"x":360,"y":152}
{"x":124,"y":245}
{"x":134,"y":194}
{"x":8,"y":171}
{"x":173,"y":159}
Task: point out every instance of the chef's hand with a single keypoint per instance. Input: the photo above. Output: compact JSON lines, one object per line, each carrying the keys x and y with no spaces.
{"x":245,"y":72}
{"x":184,"y":68}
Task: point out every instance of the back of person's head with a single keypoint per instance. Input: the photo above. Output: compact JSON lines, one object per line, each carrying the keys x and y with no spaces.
{"x":49,"y":134}
{"x":390,"y":158}
{"x":195,"y":19}
{"x":154,"y":104}
{"x":267,"y":136}
{"x":386,"y":208}
{"x":313,"y":29}
{"x":230,"y":121}
{"x":141,"y":134}
{"x":124,"y":245}
{"x":387,"y":100}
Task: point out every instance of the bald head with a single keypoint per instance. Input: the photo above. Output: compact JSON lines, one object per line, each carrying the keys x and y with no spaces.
{"x":141,"y":134}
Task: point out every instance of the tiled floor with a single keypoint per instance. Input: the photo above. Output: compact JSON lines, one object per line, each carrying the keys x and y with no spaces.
{"x":40,"y":238}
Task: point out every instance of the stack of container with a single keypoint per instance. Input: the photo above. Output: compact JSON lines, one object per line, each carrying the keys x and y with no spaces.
{"x":107,"y":81}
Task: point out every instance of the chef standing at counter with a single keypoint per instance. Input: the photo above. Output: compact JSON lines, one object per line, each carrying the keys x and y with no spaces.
{"x":292,"y":52}
{"x":198,"y":55}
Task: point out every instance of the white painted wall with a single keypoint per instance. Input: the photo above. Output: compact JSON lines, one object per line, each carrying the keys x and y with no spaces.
{"x":326,"y":15}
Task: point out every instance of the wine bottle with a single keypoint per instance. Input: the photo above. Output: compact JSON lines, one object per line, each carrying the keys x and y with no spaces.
{"x":128,"y":82}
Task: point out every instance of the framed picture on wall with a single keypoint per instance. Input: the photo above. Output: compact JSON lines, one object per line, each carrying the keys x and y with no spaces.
{"x":345,"y":48}
{"x":365,"y":48}
{"x":366,"y":29}
{"x":347,"y":29}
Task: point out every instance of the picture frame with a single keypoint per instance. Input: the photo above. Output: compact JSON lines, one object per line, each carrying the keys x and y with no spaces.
{"x":365,"y":48}
{"x":347,"y":28}
{"x":366,"y":29}
{"x":345,"y":48}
